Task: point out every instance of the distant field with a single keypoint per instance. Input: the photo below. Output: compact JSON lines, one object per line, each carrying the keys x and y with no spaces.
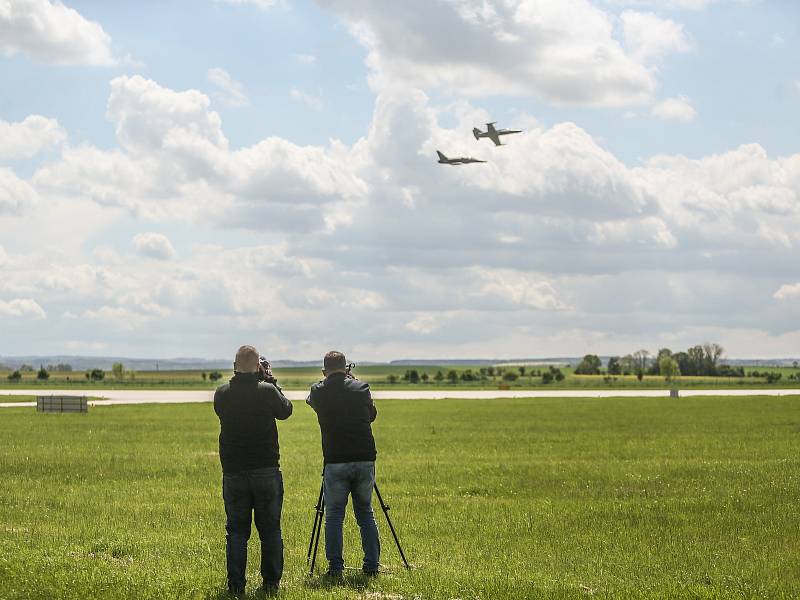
{"x":379,"y":378}
{"x":583,"y":498}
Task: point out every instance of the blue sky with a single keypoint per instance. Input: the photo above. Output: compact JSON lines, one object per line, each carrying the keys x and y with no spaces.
{"x":177,"y":178}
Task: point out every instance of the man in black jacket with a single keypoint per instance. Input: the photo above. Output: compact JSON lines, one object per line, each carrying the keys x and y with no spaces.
{"x":251,"y":480}
{"x":345,"y":411}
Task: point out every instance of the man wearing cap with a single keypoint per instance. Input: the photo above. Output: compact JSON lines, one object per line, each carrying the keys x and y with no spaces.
{"x":345,"y":411}
{"x":252,"y":483}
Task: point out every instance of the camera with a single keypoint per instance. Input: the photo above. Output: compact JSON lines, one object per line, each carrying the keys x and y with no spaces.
{"x":265,"y":371}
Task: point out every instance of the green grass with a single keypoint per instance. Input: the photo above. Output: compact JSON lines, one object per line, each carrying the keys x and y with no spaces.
{"x":603,"y":498}
{"x":295,"y":378}
{"x":17,"y":398}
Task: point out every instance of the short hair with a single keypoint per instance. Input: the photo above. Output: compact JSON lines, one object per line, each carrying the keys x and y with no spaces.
{"x":246,"y":360}
{"x":334,"y":361}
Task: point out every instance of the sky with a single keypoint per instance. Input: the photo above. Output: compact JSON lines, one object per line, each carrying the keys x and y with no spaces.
{"x":179,"y":178}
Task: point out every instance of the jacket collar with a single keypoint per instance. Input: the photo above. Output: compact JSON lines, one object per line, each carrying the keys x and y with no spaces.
{"x":244,"y":378}
{"x":335,"y":377}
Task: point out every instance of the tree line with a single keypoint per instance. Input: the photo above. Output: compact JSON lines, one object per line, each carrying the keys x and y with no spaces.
{"x":699,"y":360}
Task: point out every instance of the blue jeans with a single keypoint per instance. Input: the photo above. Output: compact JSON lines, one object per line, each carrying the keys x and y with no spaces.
{"x":258,"y":491}
{"x":342,"y":479}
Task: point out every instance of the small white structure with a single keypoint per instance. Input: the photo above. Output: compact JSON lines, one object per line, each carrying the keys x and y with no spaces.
{"x":62,"y":404}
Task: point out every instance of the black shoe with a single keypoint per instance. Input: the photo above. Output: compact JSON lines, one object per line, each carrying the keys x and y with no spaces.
{"x":236,"y":592}
{"x":271,"y":589}
{"x":370,"y":573}
{"x":333,"y":577}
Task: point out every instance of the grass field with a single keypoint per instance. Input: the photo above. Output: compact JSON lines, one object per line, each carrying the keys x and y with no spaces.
{"x":378,"y":377}
{"x":611,"y":498}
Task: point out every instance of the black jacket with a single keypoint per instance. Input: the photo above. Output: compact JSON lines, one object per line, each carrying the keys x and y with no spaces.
{"x":344,"y":410}
{"x":247,"y":410}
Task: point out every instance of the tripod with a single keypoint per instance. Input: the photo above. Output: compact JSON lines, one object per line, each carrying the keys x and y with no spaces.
{"x":319,"y":513}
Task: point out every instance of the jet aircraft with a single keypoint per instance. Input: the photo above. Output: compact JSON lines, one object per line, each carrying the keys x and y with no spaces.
{"x":493,"y":134}
{"x":461,"y":160}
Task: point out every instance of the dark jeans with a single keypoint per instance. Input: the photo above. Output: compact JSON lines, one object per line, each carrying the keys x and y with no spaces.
{"x":258,"y":491}
{"x":341,"y":480}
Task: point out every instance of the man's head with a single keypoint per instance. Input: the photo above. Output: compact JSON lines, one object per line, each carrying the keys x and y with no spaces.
{"x":334,"y":362}
{"x":246,"y":360}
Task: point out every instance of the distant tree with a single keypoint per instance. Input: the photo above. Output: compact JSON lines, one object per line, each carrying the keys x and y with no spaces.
{"x":683,"y":362}
{"x":118,"y":369}
{"x":696,"y":360}
{"x":452,"y":376}
{"x":773,"y":377}
{"x":26,"y":368}
{"x":557,"y":374}
{"x":467,"y":375}
{"x":215,"y":376}
{"x":97,"y":374}
{"x":424,"y":377}
{"x":590,"y":365}
{"x":729,"y":371}
{"x":795,"y":364}
{"x":640,"y":360}
{"x":521,"y":370}
{"x":510,"y":376}
{"x":712,"y":355}
{"x":439,"y":376}
{"x":547,"y":377}
{"x":614,"y":367}
{"x":483,"y":371}
{"x":15,"y":376}
{"x":668,"y":367}
{"x":490,"y":371}
{"x":655,"y":368}
{"x":626,"y":364}
{"x":204,"y":375}
{"x":391,"y":378}
{"x":412,"y":376}
{"x":42,"y":374}
{"x":639,"y":375}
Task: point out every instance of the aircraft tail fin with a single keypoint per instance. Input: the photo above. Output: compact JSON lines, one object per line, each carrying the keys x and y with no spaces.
{"x":477,"y":133}
{"x":441,"y":156}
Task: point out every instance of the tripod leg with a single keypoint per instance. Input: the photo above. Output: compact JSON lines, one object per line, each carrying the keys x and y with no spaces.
{"x":316,"y":536}
{"x":385,"y":509}
{"x":317,"y":509}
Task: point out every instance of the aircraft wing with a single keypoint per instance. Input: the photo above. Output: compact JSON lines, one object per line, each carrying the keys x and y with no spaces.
{"x":492,"y":134}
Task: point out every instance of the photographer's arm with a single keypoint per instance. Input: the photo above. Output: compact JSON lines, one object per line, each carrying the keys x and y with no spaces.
{"x":281,"y":405}
{"x":373,"y":411}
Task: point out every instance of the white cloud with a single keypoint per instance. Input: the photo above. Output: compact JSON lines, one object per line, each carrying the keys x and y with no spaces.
{"x":675,"y":109}
{"x":564,"y":51}
{"x":310,"y":100}
{"x":558,"y":235}
{"x":29,"y":137}
{"x":52,"y":33}
{"x":648,"y":36}
{"x":24,"y":308}
{"x":16,"y":195}
{"x":154,"y":245}
{"x":230,"y":91}
{"x":788,"y":291}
